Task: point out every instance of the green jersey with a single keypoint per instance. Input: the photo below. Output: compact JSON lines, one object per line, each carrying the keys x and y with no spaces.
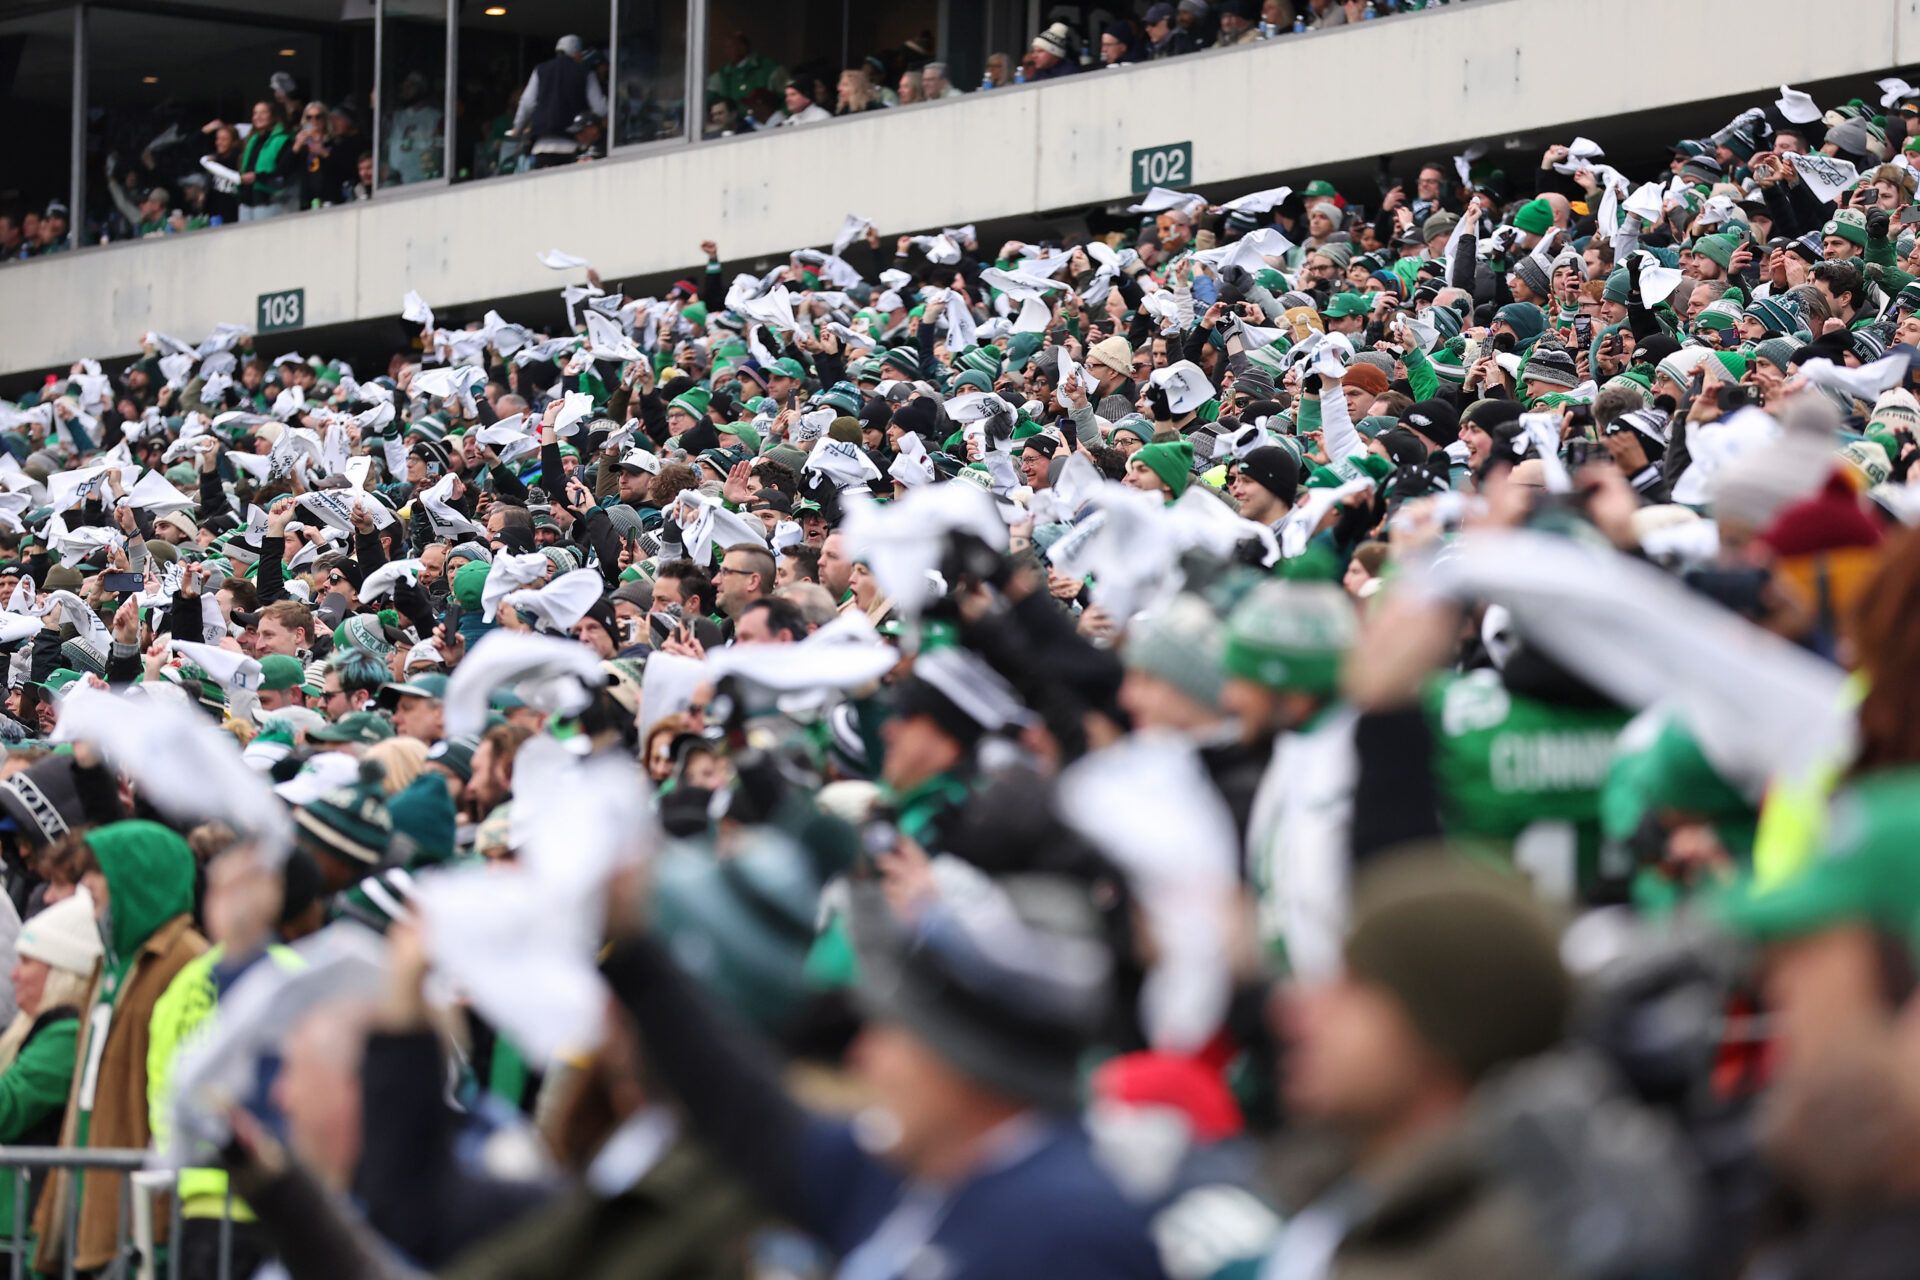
{"x":1525,"y":774}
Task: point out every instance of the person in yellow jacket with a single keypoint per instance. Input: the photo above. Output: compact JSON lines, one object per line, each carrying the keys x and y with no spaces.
{"x":244,"y":900}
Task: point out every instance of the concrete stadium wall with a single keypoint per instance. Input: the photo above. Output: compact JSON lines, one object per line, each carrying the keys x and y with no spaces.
{"x":1474,"y":70}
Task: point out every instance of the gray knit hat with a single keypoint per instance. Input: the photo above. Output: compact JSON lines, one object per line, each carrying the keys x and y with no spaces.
{"x":1533,"y":275}
{"x":1180,"y":643}
{"x":1551,"y":365}
{"x":1776,"y":351}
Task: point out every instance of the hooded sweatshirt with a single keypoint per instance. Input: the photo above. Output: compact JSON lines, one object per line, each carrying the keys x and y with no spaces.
{"x":149,"y":873}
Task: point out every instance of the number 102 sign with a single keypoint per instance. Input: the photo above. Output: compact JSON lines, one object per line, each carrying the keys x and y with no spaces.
{"x":1170,"y":165}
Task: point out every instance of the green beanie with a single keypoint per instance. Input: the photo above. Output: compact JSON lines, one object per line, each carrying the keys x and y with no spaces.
{"x":1534,"y":217}
{"x":1717,"y":248}
{"x":1849,"y":224}
{"x":1526,"y":320}
{"x":693,"y":402}
{"x":423,"y":822}
{"x":981,"y":360}
{"x":905,"y":359}
{"x":1290,"y":636}
{"x":1619,"y":286}
{"x":468,"y":580}
{"x":1172,"y":461}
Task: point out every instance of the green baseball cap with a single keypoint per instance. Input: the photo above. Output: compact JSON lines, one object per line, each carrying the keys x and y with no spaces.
{"x":430,"y":685}
{"x":1869,"y":873}
{"x":278,"y":671}
{"x":1344,"y":305}
{"x":361,"y":727}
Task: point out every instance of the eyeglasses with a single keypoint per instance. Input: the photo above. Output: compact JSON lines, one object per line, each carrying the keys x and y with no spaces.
{"x":730,"y":569}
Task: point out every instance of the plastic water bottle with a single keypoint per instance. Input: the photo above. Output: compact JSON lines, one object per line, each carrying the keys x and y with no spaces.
{"x":1299,"y":23}
{"x":1266,"y":29}
{"x":1086,"y":54}
{"x":986,"y":81}
{"x":1020,"y":75}
{"x":1370,"y":12}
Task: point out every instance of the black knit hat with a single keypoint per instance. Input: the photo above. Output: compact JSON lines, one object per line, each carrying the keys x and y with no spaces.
{"x":1274,"y":469}
{"x":1017,"y":1032}
{"x":1436,"y":420}
{"x":920,"y":415}
{"x":43,"y":801}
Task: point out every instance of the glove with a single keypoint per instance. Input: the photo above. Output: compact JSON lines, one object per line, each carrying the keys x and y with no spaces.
{"x":1877,"y":223}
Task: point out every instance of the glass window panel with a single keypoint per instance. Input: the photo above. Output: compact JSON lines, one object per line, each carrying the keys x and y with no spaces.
{"x":651,"y":102}
{"x":413,"y":82}
{"x":502,"y":44}
{"x":36,"y":159}
{"x":177,"y":106}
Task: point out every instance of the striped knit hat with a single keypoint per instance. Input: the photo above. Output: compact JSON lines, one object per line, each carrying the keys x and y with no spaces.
{"x":1781,"y":315}
{"x":905,"y":359}
{"x":348,"y":824}
{"x":981,"y":360}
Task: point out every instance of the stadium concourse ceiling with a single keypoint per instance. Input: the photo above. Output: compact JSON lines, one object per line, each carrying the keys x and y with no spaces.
{"x":526,"y":15}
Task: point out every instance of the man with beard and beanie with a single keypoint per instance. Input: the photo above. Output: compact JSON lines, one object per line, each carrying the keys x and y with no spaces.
{"x":1447,"y":975}
{"x":140,"y":876}
{"x":968,"y":1163}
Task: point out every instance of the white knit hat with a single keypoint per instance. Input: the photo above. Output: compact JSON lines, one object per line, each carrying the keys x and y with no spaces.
{"x":64,"y":935}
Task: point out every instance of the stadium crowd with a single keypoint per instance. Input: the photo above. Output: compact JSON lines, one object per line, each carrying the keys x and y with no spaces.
{"x":1278,"y":744}
{"x":165,"y":175}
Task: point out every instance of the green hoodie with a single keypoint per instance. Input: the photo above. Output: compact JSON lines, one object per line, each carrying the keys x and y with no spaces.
{"x":149,"y":874}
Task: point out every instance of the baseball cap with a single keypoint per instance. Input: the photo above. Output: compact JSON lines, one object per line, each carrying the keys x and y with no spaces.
{"x":430,"y":684}
{"x":362,"y":727}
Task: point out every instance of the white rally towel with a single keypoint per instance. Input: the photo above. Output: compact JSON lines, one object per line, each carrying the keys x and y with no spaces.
{"x":560,"y":603}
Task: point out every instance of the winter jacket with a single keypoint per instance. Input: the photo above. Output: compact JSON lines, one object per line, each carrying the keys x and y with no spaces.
{"x":33,"y":1096}
{"x":266,"y":156}
{"x":189,"y":1000}
{"x":684,"y":1219}
{"x":1044,"y":1209}
{"x":149,"y":872}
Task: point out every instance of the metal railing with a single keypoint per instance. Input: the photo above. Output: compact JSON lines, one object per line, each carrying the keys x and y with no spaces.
{"x":136,"y":1253}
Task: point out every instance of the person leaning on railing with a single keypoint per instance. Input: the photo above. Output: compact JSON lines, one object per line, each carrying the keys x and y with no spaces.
{"x":54,"y":959}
